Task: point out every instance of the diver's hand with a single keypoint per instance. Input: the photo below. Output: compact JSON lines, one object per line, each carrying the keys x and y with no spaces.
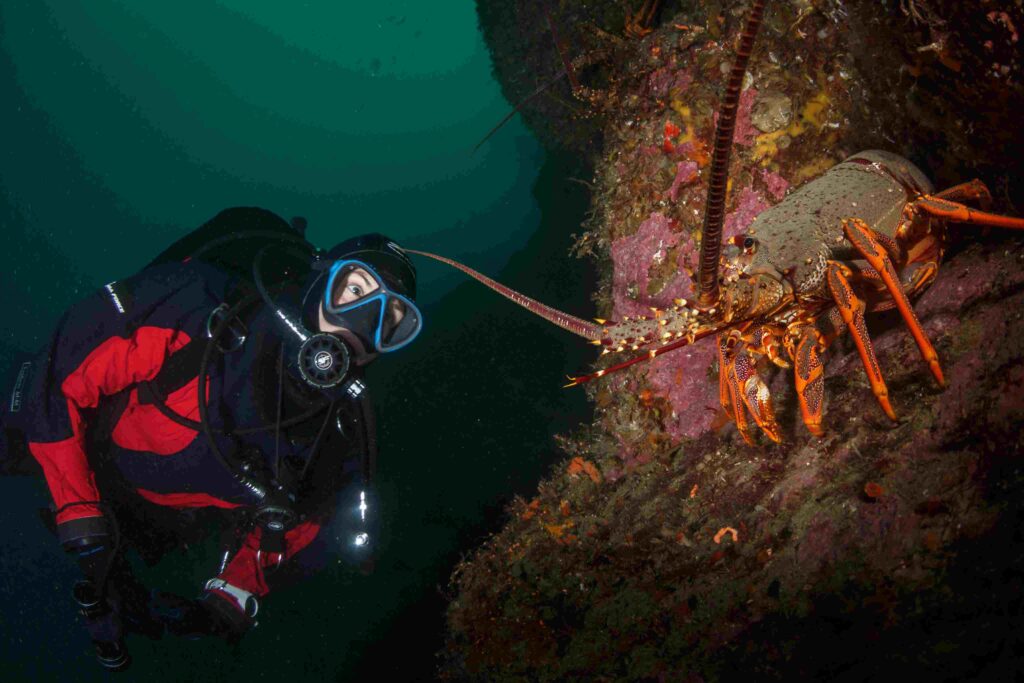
{"x":209,"y":615}
{"x":113,"y":581}
{"x":230,"y":622}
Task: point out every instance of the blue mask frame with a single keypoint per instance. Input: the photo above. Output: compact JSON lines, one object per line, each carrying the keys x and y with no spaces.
{"x":379,"y":297}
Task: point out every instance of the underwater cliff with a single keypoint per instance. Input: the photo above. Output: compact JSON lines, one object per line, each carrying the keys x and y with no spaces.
{"x":665,"y":548}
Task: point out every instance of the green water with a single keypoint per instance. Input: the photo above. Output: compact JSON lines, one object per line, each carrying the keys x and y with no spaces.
{"x":126,"y":124}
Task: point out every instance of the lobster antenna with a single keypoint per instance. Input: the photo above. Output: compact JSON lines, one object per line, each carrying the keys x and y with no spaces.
{"x":541,"y":88}
{"x":558,"y":47}
{"x":564,"y":320}
{"x":647,"y":355}
{"x":714,"y":209}
{"x":567,"y":71}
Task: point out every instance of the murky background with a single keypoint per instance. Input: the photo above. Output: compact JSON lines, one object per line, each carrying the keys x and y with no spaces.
{"x":126,"y":125}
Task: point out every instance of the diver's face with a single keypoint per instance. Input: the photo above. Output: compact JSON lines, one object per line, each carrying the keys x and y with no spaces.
{"x":358,"y":284}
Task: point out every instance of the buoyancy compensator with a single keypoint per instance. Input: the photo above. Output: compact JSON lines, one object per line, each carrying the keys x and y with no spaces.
{"x":277,"y":268}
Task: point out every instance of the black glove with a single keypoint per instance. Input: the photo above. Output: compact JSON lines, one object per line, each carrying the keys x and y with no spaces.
{"x":208,"y":615}
{"x":111,"y":577}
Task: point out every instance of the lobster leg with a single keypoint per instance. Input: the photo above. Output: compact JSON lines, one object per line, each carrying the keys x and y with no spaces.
{"x":934,"y":205}
{"x":852,"y":311}
{"x":805,"y":344}
{"x":746,"y":388}
{"x":767,"y":340}
{"x":724,"y":395}
{"x":729,"y":389}
{"x":756,"y":397}
{"x":809,"y":375}
{"x":972,"y":190}
{"x":863,"y":239}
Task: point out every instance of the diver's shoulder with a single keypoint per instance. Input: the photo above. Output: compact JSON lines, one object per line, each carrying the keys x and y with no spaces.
{"x":182,"y":273}
{"x":178,"y":285}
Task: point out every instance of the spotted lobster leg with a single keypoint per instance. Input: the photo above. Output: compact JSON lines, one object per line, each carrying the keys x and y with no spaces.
{"x":972,"y":190}
{"x":806,"y":344}
{"x":941,"y":207}
{"x":809,"y":375}
{"x":865,"y":241}
{"x":728,"y":387}
{"x":742,"y":389}
{"x":851,"y":309}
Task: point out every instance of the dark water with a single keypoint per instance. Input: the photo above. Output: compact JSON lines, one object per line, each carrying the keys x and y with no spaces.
{"x":126,"y":127}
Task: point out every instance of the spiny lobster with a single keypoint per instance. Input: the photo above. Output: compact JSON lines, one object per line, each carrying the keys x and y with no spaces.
{"x":867,"y":235}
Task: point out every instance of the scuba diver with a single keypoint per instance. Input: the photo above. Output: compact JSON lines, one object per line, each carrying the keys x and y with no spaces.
{"x":222,"y":384}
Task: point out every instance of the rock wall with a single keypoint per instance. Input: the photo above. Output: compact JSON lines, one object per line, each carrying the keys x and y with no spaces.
{"x":664,"y":548}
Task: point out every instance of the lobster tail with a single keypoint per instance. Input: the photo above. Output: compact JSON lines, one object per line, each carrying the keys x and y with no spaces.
{"x":714,"y":209}
{"x":564,"y":320}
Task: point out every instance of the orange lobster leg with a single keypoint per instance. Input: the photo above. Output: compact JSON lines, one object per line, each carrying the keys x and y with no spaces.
{"x":810,"y":380}
{"x":863,"y":239}
{"x":747,"y":389}
{"x":892,"y":248}
{"x":972,"y":190}
{"x":955,"y":211}
{"x":724,"y":396}
{"x":729,"y":389}
{"x":808,"y":372}
{"x":767,"y":340}
{"x":852,"y":311}
{"x":756,"y":397}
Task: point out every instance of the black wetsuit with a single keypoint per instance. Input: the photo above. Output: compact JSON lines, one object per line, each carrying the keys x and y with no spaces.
{"x":94,"y":413}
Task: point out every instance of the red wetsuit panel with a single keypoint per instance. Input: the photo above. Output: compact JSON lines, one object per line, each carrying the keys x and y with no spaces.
{"x":144,"y":428}
{"x":68,"y":476}
{"x":246,"y":572}
{"x":118,"y":362}
{"x":186,"y":500}
{"x":113,"y":365}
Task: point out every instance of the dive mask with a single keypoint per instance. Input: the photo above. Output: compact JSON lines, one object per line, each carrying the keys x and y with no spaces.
{"x":357,"y":298}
